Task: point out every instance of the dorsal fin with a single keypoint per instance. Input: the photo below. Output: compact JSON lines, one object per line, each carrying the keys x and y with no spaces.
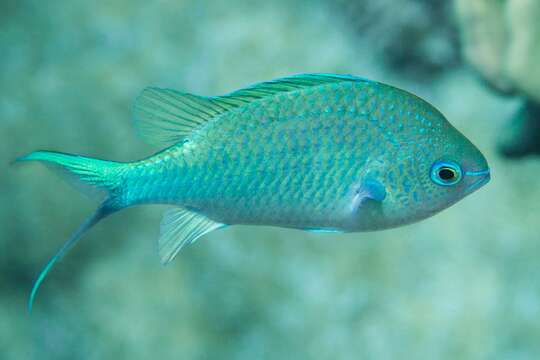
{"x":286,"y":84}
{"x":164,"y":116}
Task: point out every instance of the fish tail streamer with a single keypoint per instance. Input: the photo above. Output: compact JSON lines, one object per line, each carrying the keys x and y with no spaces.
{"x":92,"y":176}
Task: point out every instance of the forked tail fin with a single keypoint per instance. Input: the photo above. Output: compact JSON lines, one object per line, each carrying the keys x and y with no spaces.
{"x":91,"y":176}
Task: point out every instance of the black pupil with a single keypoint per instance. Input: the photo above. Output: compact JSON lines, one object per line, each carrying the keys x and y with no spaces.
{"x":446,"y":174}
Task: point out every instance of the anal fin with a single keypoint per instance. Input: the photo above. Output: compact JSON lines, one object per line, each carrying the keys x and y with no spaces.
{"x":181,"y":227}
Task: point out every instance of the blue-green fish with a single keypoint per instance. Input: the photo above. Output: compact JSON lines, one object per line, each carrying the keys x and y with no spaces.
{"x":317,"y":152}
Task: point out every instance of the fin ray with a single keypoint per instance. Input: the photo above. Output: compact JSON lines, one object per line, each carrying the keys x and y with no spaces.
{"x":98,"y":215}
{"x":179,"y":112}
{"x":370,"y":189}
{"x":180,"y":228}
{"x":184,"y":112}
{"x":90,"y":176}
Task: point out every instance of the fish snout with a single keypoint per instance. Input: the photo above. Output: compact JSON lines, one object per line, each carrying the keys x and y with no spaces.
{"x":477,"y":179}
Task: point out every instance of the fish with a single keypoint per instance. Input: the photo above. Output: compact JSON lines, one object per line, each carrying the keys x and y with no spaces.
{"x":315,"y":152}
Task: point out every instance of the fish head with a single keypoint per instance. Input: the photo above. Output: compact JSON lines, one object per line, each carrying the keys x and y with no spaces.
{"x":456,"y":169}
{"x":440,"y":173}
{"x":429,"y":173}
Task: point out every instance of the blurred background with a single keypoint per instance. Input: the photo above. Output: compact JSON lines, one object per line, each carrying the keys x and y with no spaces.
{"x":461,"y":285}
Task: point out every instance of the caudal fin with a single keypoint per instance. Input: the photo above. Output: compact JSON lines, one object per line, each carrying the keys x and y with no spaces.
{"x":89,"y":175}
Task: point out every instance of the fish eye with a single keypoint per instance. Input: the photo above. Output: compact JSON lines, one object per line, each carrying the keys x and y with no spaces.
{"x":445,"y":173}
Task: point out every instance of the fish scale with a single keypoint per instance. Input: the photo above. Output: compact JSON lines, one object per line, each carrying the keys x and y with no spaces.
{"x":317,"y":152}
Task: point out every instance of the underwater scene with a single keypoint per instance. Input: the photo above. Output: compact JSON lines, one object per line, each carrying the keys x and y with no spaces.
{"x":347,"y":179}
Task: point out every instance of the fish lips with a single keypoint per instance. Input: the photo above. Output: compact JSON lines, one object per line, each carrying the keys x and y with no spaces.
{"x":483,"y":178}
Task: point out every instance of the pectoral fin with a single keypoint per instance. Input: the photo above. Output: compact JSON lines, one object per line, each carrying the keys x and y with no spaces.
{"x":179,"y":228}
{"x":370,"y":189}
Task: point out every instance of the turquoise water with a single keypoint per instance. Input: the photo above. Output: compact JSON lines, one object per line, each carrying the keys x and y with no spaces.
{"x":462,"y":284}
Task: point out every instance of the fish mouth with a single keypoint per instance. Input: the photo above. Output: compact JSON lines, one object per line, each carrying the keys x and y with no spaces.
{"x":483,"y":178}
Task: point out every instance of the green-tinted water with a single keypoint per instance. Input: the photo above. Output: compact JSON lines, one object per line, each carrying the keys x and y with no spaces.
{"x":458,"y":285}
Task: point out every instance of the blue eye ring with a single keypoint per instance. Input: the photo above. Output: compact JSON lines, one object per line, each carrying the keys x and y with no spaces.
{"x":446,"y":173}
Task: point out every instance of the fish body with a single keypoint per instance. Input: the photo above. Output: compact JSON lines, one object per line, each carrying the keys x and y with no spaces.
{"x":299,"y":159}
{"x":315,"y":152}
